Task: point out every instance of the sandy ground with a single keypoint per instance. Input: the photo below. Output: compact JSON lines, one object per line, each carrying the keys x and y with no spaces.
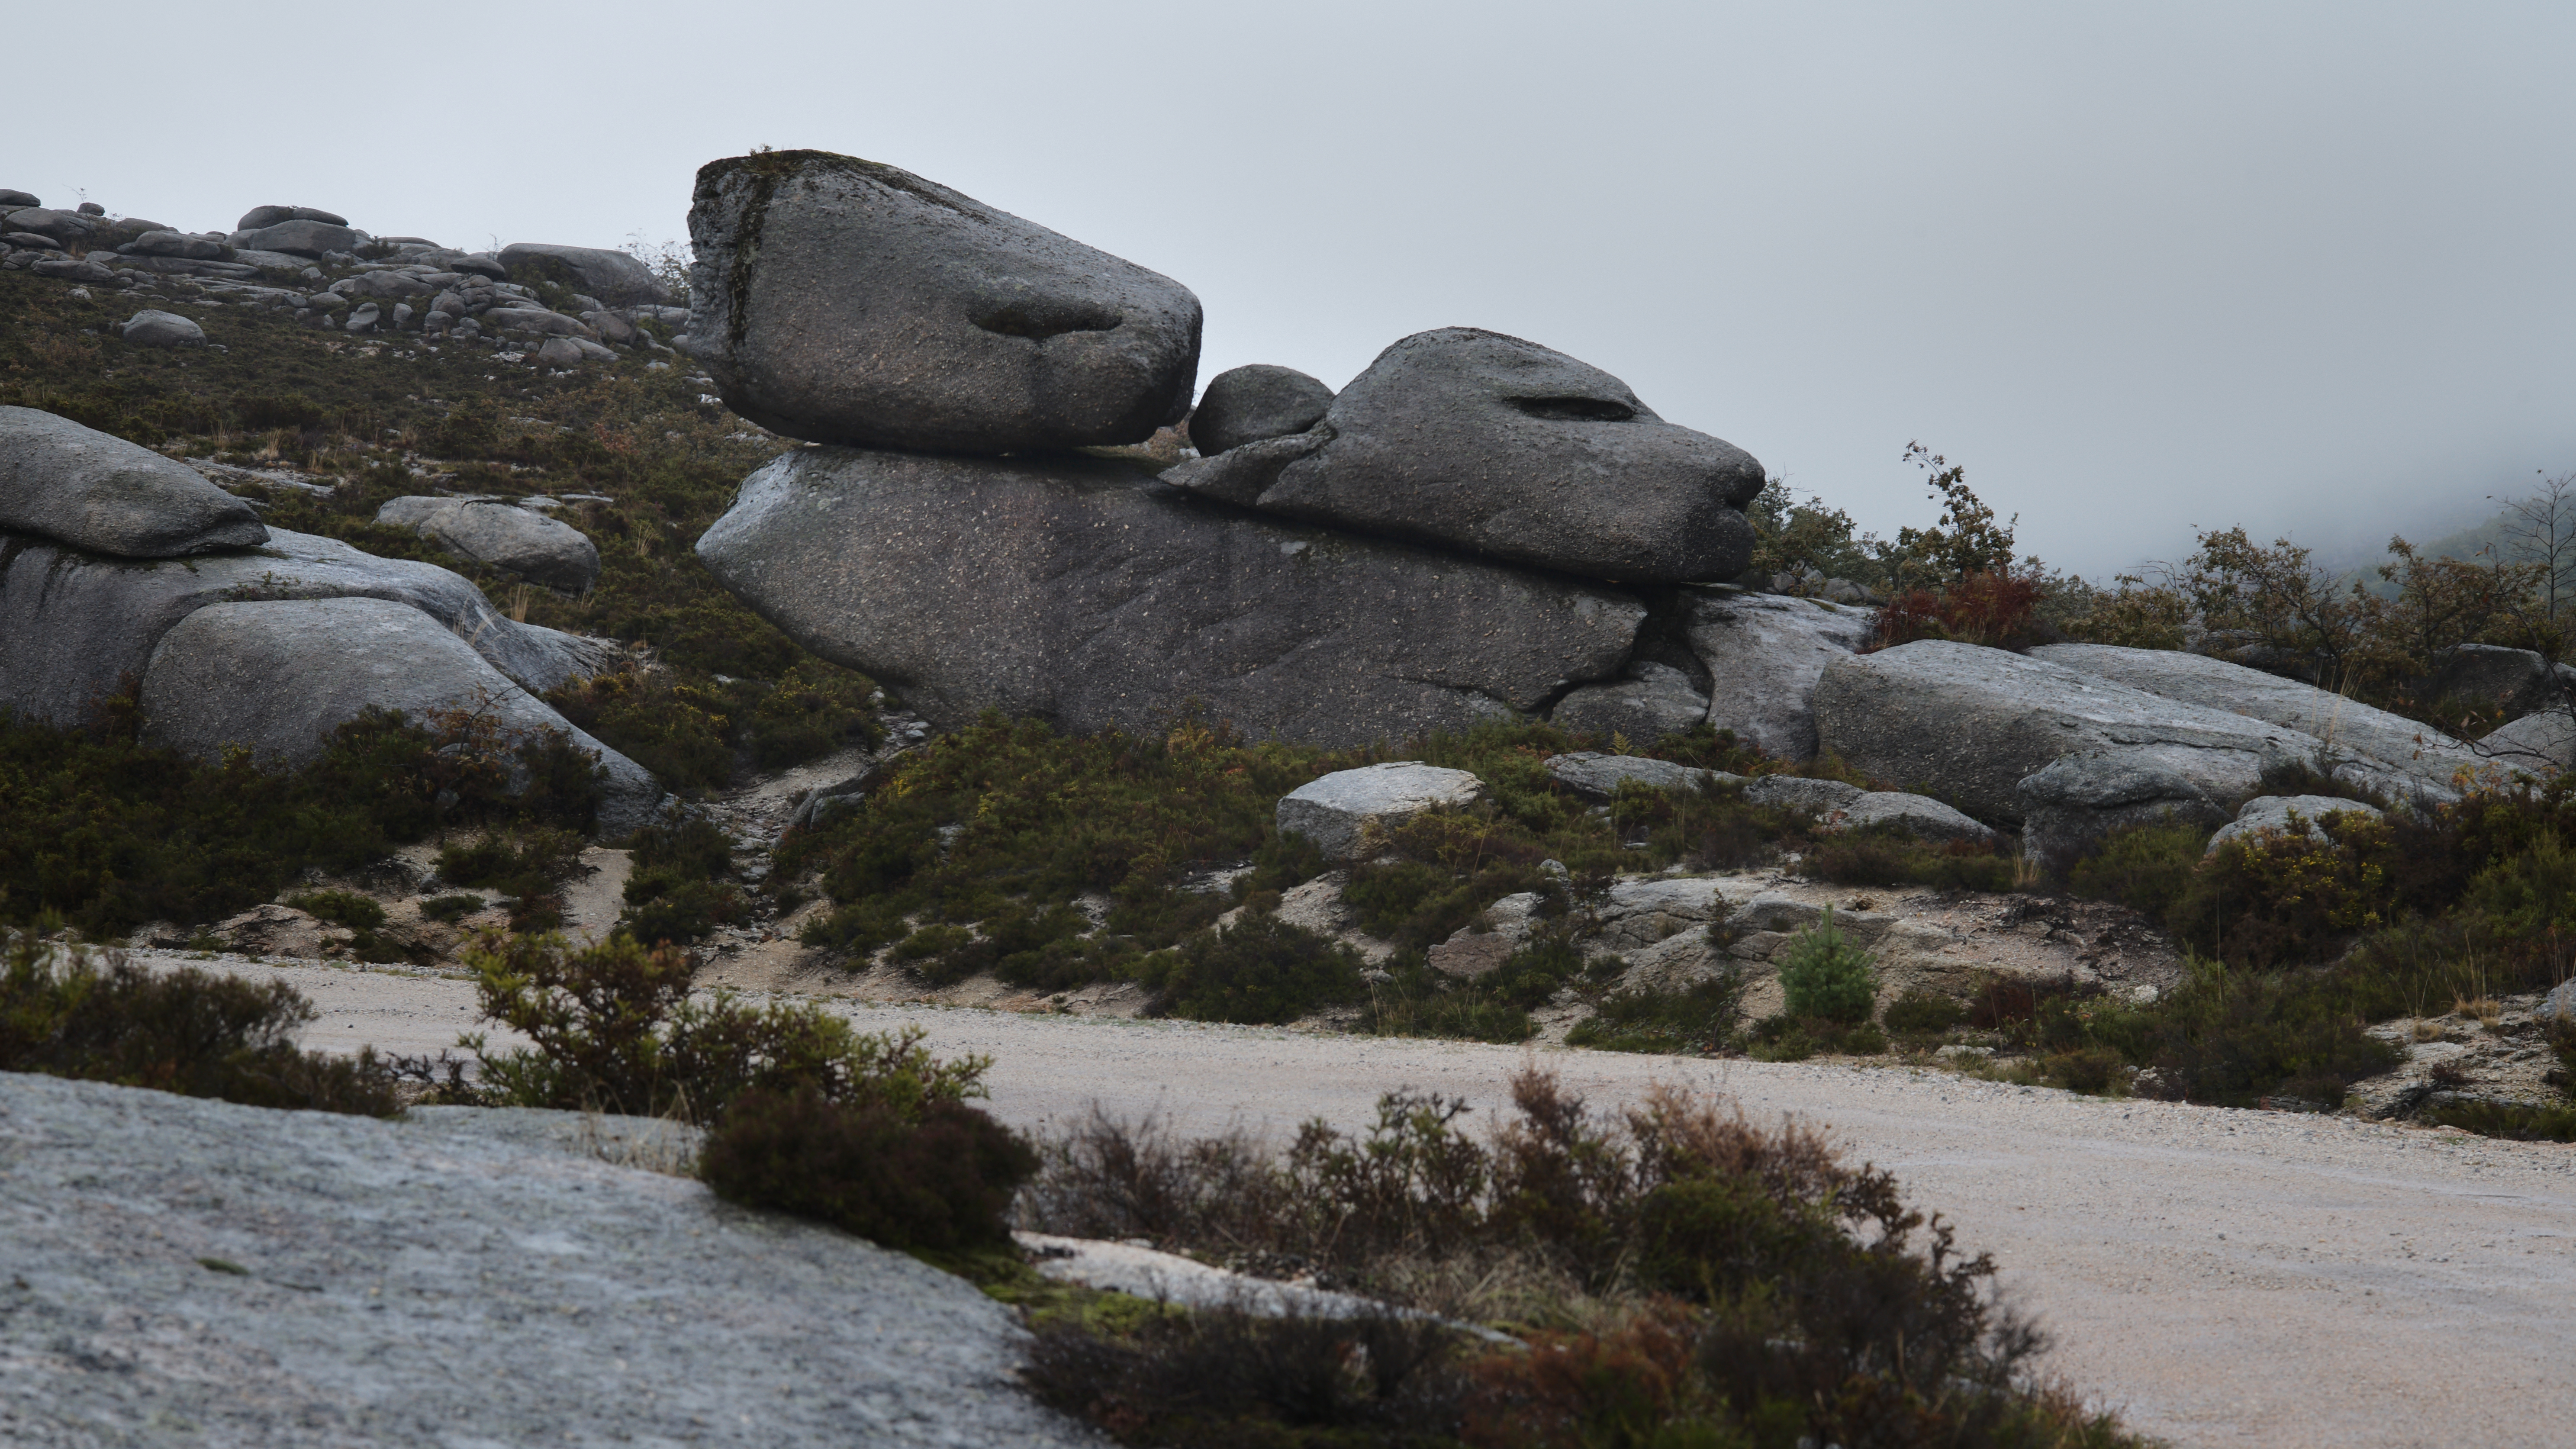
{"x":2224,"y":1277}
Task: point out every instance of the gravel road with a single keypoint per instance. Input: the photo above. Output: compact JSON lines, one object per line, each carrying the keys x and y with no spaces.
{"x":2226,"y":1277}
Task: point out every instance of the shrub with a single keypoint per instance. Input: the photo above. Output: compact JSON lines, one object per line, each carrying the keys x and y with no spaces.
{"x":1921,"y":1013}
{"x":1696,"y":1019}
{"x":676,"y":890}
{"x":340,"y":908}
{"x":526,"y":865}
{"x":1747,"y":1282}
{"x":1889,"y":857}
{"x":939,"y":1178}
{"x":453,"y":907}
{"x":811,"y":711}
{"x":1261,"y":969}
{"x":613,"y":1028}
{"x":1823,"y":975}
{"x":66,"y":1013}
{"x":1414,"y":1000}
{"x":2518,"y":1122}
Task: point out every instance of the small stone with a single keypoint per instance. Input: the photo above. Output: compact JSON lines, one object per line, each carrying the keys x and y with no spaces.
{"x":1334,"y":811}
{"x":1795,"y":792}
{"x":559,"y":352}
{"x":1920,"y":816}
{"x":1598,"y":777}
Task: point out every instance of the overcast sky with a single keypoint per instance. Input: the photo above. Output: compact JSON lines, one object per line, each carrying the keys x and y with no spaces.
{"x":2301,"y":266}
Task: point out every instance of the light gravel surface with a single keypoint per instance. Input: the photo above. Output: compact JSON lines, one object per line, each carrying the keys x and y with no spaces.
{"x":185,"y":1272}
{"x":2228,"y":1278}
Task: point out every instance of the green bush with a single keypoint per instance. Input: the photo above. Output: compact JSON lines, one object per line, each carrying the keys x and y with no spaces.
{"x":1260,"y":969}
{"x":1699,"y":1019}
{"x":811,"y":711}
{"x":65,"y":1013}
{"x":1823,"y":975}
{"x":613,"y":1028}
{"x":1921,"y":1013}
{"x":340,"y":908}
{"x":529,"y":866}
{"x":675,"y":889}
{"x":938,"y":1179}
{"x":454,"y":907}
{"x":2520,"y":1123}
{"x":1414,"y":1000}
{"x":1891,"y":857}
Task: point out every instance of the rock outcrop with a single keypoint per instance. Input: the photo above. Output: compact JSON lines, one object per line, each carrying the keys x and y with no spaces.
{"x":278,"y":677}
{"x":76,"y":627}
{"x":2276,"y":814}
{"x":1080,"y":591}
{"x":1970,"y":723}
{"x":843,"y":301}
{"x":1649,"y":699}
{"x":99,"y":492}
{"x":1335,"y":811}
{"x":613,"y":278}
{"x":2343,"y":726}
{"x":1498,"y":447}
{"x":1597,"y":776}
{"x":504,"y":536}
{"x":1763,"y":654}
{"x":2075,"y":803}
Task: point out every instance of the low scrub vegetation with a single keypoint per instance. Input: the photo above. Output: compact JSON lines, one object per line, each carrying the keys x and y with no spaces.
{"x":1672,"y":1275}
{"x":66,"y":1011}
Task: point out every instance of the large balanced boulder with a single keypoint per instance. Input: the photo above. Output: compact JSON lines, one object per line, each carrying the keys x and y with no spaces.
{"x":1247,"y":404}
{"x":76,"y":627}
{"x":278,"y":677}
{"x":842,"y":301}
{"x":98,"y":492}
{"x":1486,"y":443}
{"x":1336,"y":811}
{"x":504,"y":536}
{"x":614,"y":278}
{"x":261,"y":217}
{"x":1080,"y":591}
{"x":1969,"y":723}
{"x":310,"y":239}
{"x":2343,"y":724}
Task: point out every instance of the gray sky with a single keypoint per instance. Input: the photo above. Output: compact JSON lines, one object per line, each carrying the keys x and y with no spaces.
{"x":2301,"y":266}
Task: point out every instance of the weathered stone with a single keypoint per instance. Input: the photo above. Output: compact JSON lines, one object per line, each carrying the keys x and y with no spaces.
{"x":2541,"y":743}
{"x":1077,"y":591}
{"x":480,"y":264}
{"x":2070,"y":807}
{"x":1916,"y":815}
{"x":459,"y":1276}
{"x":1247,"y":404}
{"x":2516,"y":681}
{"x":2274,"y":812}
{"x":558,"y":352}
{"x":613,"y":279}
{"x":2341,"y":724}
{"x":609,"y":327}
{"x":2560,"y":1003}
{"x":1598,"y":777}
{"x":278,"y":677}
{"x":98,"y":492}
{"x":296,"y":238}
{"x":66,"y":227}
{"x":1764,"y":654}
{"x":385,"y":285}
{"x":1497,"y":446}
{"x":77,"y":627}
{"x":531,"y":545}
{"x":1971,"y":723}
{"x":1336,"y":810}
{"x":841,"y":301}
{"x":30,"y":241}
{"x":1650,"y":701}
{"x":80,"y":269}
{"x":538,"y":320}
{"x":149,"y":328}
{"x":180,"y":244}
{"x":13,"y":200}
{"x":1794,"y":792}
{"x":364,"y":318}
{"x":259,"y":218}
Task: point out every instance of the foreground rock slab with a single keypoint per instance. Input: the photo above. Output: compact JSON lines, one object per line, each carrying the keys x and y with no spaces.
{"x":1081,"y":592}
{"x":843,"y":301}
{"x":178,"y":1271}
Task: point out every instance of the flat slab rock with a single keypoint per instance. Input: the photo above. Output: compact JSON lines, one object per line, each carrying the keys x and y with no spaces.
{"x":1334,"y":810}
{"x":1598,"y":776}
{"x":462,"y":1278}
{"x":1080,"y":591}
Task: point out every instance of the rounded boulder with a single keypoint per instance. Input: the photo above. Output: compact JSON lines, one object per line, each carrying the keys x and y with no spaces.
{"x":150,"y":328}
{"x":1247,"y":404}
{"x":98,"y":492}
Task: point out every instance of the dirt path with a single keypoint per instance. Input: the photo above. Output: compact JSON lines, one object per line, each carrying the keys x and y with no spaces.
{"x":2230,"y":1278}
